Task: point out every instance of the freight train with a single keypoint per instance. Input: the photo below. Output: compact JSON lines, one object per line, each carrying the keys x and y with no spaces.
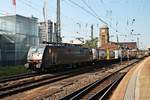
{"x":57,"y":56}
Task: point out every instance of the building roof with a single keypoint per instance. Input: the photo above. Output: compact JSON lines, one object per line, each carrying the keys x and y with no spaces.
{"x":123,"y":45}
{"x":125,"y":42}
{"x":128,"y":45}
{"x":17,"y":15}
{"x":104,"y":26}
{"x":75,"y":41}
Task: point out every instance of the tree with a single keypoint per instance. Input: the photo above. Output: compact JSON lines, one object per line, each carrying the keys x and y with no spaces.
{"x":91,"y":43}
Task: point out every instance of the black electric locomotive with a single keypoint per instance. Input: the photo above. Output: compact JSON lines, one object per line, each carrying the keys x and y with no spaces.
{"x":55,"y":56}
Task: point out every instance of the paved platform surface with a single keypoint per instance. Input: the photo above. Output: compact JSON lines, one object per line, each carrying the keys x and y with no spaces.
{"x":136,"y":83}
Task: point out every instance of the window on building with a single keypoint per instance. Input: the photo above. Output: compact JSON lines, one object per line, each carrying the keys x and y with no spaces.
{"x":103,"y":39}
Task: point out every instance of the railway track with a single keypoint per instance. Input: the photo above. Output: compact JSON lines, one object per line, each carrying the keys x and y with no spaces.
{"x":16,"y":88}
{"x":36,"y":82}
{"x":17,"y":77}
{"x":100,"y":88}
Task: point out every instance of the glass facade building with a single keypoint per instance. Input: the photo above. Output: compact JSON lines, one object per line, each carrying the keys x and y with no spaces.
{"x":17,"y":34}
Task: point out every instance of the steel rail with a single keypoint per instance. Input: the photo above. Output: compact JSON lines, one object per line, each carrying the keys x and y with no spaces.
{"x":14,"y":89}
{"x":83,"y":91}
{"x":17,"y":76}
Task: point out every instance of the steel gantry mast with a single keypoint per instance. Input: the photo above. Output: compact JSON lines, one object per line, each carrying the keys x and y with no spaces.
{"x":58,"y":23}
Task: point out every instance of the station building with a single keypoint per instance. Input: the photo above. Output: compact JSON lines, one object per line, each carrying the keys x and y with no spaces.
{"x":105,"y":43}
{"x":17,"y":34}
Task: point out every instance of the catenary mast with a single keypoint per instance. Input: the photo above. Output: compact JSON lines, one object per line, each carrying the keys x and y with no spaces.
{"x":58,"y":23}
{"x":45,"y":14}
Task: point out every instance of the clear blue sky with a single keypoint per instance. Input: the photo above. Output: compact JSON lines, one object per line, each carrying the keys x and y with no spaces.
{"x":117,"y":13}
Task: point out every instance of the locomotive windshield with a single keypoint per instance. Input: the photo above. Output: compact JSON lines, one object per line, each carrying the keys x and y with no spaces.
{"x":39,"y":50}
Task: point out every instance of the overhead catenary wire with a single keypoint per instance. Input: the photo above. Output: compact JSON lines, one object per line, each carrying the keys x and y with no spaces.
{"x":31,"y":6}
{"x":87,"y":11}
{"x":91,"y":9}
{"x":35,"y":4}
{"x":27,"y":3}
{"x":97,"y":17}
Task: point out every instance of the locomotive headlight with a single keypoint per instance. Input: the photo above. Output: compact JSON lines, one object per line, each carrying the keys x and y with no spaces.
{"x":40,"y":61}
{"x":38,"y":65}
{"x":26,"y":65}
{"x":49,"y":51}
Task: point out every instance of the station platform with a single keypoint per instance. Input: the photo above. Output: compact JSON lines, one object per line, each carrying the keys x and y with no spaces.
{"x":136,"y":83}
